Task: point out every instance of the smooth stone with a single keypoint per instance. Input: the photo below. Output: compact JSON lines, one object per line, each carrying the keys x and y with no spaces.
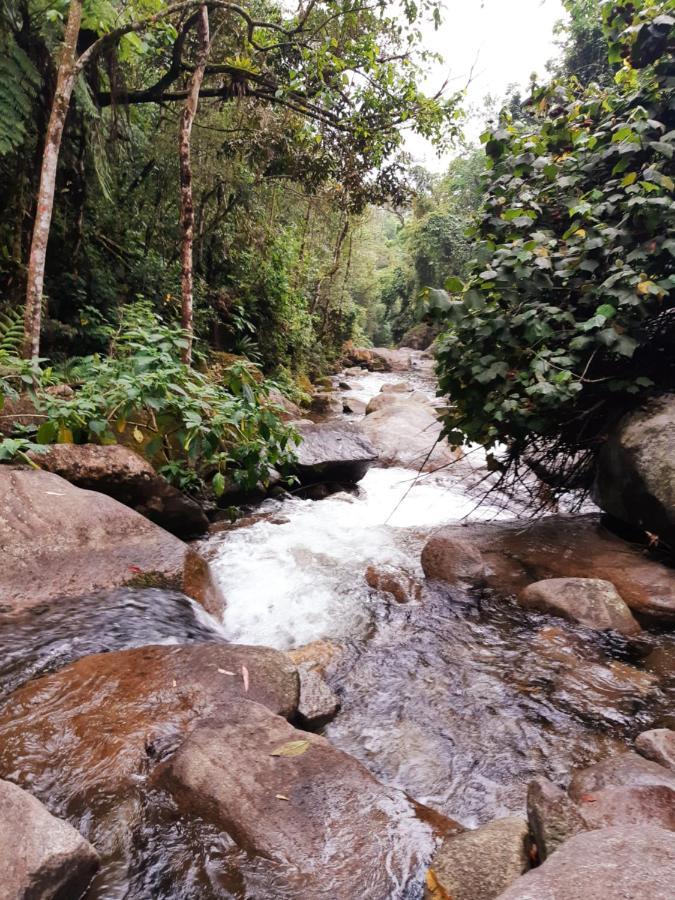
{"x":600,"y":693}
{"x":326,"y":403}
{"x":620,"y":770}
{"x":657,"y":745}
{"x":354,"y":405}
{"x":446,"y":557}
{"x":589,"y":601}
{"x":402,"y":586}
{"x":42,"y":857}
{"x":318,"y":704}
{"x":333,"y":451}
{"x":622,"y":863}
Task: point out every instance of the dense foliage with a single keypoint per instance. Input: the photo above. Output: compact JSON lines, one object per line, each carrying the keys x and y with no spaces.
{"x":567,"y":316}
{"x":195,"y":427}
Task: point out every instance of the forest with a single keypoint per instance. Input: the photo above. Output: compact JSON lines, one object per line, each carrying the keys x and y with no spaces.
{"x":337,"y":487}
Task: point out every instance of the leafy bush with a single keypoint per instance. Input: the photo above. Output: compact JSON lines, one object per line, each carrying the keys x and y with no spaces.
{"x":567,"y":316}
{"x":192,"y":428}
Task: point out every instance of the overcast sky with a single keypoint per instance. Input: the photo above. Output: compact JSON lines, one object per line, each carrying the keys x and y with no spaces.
{"x":503,"y":41}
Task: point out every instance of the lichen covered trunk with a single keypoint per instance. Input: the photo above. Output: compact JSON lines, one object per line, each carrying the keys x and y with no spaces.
{"x":45,"y":200}
{"x":187,"y":211}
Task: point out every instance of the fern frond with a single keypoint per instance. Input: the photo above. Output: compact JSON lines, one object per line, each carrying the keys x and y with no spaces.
{"x":11,"y":333}
{"x":19,"y":83}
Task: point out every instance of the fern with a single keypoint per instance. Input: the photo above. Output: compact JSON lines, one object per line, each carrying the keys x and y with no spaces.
{"x":19,"y":82}
{"x":11,"y":333}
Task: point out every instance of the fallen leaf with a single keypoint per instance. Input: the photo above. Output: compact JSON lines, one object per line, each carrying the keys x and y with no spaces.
{"x":281,"y":797}
{"x":174,"y":683}
{"x":435,"y":889}
{"x":135,"y":569}
{"x":138,"y":435}
{"x":292,"y":748}
{"x":225,"y":672}
{"x":588,"y":798}
{"x":244,"y":675}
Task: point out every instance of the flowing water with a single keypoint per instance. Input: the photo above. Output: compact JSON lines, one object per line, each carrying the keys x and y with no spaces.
{"x":454,"y":696}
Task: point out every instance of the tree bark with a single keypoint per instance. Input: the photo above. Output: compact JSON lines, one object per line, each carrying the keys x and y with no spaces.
{"x":65,"y":82}
{"x":187,"y":210}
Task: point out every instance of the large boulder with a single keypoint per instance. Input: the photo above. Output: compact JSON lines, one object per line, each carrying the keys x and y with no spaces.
{"x":338,"y":452}
{"x":480,"y":864}
{"x":107,"y":716}
{"x":394,"y":398}
{"x":321,"y":824}
{"x":636,"y":469}
{"x":446,"y":557}
{"x":627,"y":862}
{"x":407,"y":433}
{"x":42,"y":857}
{"x":420,"y":336}
{"x":590,"y":601}
{"x":126,"y":476}
{"x":58,"y":540}
{"x":515,"y":554}
{"x":379,"y":359}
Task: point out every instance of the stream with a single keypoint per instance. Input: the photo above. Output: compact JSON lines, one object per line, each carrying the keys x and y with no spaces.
{"x":445,"y":696}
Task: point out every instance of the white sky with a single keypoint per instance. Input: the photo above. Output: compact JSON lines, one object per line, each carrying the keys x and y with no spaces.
{"x":504,"y":41}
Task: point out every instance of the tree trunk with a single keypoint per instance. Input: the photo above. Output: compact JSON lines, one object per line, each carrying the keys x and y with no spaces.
{"x":187,"y":211}
{"x":65,"y":82}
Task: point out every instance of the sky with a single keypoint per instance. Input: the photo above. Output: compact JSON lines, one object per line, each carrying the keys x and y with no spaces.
{"x":496,"y":43}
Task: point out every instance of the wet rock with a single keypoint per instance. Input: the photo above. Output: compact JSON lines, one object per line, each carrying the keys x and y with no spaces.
{"x":600,"y":693}
{"x":636,"y":469}
{"x":354,"y":405}
{"x":620,"y":770}
{"x":42,"y":857}
{"x":420,"y":336}
{"x":629,"y":805}
{"x":397,"y":387}
{"x":318,"y":655}
{"x":446,"y":557}
{"x":109,"y":717}
{"x":59,"y":540}
{"x":402,"y":586}
{"x":318,"y":704}
{"x":626,"y":862}
{"x":327,"y":404}
{"x":657,"y":745}
{"x":589,"y":601}
{"x":393,"y":398}
{"x":333,"y":452}
{"x":553,"y":817}
{"x":325,"y":825}
{"x":480,"y":864}
{"x":408,"y":434}
{"x":571,"y":547}
{"x":345,"y":385}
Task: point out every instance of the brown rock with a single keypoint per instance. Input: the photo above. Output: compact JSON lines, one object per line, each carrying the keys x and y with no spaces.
{"x":629,"y":862}
{"x":657,"y":745}
{"x":107,"y":717}
{"x":325,"y":826}
{"x":398,"y":387}
{"x":589,"y":601}
{"x":326,"y":403}
{"x":570,"y":547}
{"x":408,"y":434}
{"x":637,"y":804}
{"x":662,"y":661}
{"x":553,"y":817}
{"x":285,"y":408}
{"x":354,"y":405}
{"x":318,"y":655}
{"x":480,"y":864}
{"x":402,"y":586}
{"x":446,"y":557}
{"x":387,"y":399}
{"x":621,"y":770}
{"x":318,"y":704}
{"x":42,"y":857}
{"x":58,"y":541}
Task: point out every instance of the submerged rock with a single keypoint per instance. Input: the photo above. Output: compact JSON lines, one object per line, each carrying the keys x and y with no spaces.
{"x":120,"y":473}
{"x":61,"y":541}
{"x":589,"y":601}
{"x":318,"y":655}
{"x":325,"y":826}
{"x":627,"y":862}
{"x":657,"y":745}
{"x":333,"y":452}
{"x":480,"y":864}
{"x":636,"y":469}
{"x":603,"y":694}
{"x":401,"y":585}
{"x":42,"y":857}
{"x":516,"y":553}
